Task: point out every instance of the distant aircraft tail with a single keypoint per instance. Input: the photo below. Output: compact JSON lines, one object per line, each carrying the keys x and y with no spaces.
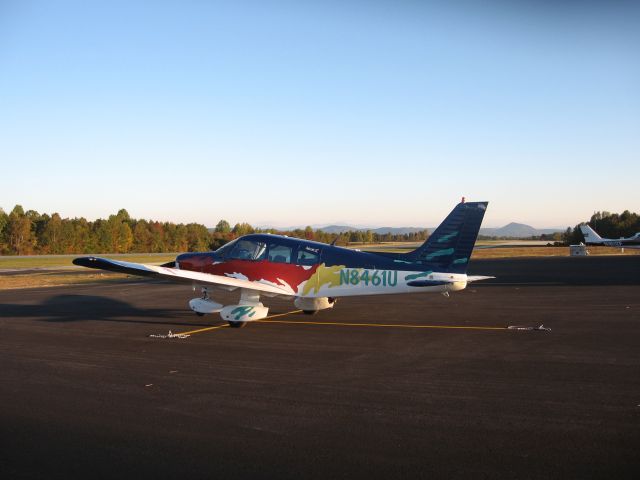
{"x":590,"y":234}
{"x":449,"y":247}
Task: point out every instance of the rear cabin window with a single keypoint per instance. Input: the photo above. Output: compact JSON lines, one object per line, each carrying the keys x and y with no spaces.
{"x":248,"y":250}
{"x":307,"y":257}
{"x":279,"y":253}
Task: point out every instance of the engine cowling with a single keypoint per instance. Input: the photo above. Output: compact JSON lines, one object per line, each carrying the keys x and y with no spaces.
{"x":244,"y":313}
{"x":314,"y":304}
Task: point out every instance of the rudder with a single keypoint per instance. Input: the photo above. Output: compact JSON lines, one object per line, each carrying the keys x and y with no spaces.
{"x":449,"y":247}
{"x":589,"y":234}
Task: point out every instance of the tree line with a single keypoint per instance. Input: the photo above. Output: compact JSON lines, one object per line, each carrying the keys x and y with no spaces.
{"x":607,"y":224}
{"x":28,"y":233}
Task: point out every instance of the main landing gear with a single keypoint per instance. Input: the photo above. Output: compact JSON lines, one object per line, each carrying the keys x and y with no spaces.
{"x":248,"y":308}
{"x":204,"y":304}
{"x":311,"y":306}
{"x":237,"y":324}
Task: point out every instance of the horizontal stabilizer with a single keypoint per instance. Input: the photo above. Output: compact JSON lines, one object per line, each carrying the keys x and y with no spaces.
{"x":477,"y":278}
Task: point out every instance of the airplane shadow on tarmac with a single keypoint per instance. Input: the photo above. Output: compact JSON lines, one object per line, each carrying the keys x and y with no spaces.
{"x":75,"y":308}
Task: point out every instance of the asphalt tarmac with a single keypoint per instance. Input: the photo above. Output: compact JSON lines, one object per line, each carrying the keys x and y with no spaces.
{"x":87,"y":393}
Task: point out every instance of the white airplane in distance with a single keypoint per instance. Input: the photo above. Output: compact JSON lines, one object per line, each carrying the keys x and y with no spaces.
{"x":592,"y":238}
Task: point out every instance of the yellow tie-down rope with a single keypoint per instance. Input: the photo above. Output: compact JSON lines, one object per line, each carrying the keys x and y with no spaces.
{"x":270,"y":319}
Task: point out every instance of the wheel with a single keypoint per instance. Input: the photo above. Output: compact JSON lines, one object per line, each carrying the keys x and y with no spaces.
{"x":200,"y":314}
{"x":310,"y":312}
{"x":237,"y":324}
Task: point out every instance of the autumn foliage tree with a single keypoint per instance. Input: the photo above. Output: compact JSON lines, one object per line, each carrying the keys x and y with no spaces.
{"x":24,"y":233}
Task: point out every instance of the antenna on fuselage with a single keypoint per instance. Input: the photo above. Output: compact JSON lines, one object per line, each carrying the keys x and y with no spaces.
{"x":462,"y":201}
{"x":334,"y":242}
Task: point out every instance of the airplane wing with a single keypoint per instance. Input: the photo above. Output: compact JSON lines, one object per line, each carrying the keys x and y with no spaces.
{"x":177,"y":275}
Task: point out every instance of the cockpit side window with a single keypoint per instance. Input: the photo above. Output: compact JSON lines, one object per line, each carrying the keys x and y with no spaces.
{"x":248,"y":250}
{"x":279,"y":253}
{"x":308,"y":256}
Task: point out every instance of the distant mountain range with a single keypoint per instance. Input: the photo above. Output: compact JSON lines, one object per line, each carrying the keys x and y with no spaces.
{"x":380,"y":231}
{"x":512,"y":230}
{"x":517,"y":230}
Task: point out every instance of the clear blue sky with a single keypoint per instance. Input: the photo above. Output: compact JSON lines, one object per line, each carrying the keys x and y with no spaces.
{"x":310,"y":112}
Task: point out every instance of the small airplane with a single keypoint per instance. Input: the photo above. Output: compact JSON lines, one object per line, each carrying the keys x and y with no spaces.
{"x":592,"y":238}
{"x":316,"y":274}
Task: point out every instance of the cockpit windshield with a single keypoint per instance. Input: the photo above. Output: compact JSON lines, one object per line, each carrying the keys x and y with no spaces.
{"x":276,"y":250}
{"x":248,"y":250}
{"x":226,"y":248}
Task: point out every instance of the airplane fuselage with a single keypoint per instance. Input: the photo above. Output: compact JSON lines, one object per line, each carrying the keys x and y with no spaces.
{"x":622,"y":243}
{"x":311,"y":269}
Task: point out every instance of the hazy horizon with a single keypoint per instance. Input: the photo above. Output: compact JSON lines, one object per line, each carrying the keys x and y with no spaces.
{"x":281,"y":225}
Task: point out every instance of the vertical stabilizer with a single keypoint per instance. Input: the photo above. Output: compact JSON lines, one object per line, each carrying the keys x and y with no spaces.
{"x":449,"y":247}
{"x":590,"y":235}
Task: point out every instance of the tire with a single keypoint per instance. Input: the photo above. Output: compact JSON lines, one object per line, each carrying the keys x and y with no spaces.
{"x":200,"y":314}
{"x":237,"y":324}
{"x":310,"y":312}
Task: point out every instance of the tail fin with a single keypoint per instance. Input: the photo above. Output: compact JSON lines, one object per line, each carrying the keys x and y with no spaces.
{"x":449,"y":247}
{"x":590,"y":234}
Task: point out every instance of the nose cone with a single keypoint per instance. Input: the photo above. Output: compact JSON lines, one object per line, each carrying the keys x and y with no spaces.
{"x":192,"y":261}
{"x":183,"y":261}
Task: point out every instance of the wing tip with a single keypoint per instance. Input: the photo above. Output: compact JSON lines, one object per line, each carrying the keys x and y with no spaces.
{"x":85,"y":261}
